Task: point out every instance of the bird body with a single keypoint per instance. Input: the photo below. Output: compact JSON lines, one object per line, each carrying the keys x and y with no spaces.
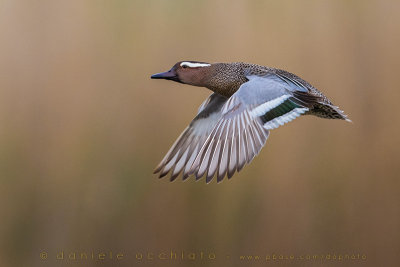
{"x":233,"y":123}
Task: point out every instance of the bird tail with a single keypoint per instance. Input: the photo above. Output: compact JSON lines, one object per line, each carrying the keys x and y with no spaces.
{"x":320,"y":106}
{"x":328,"y":111}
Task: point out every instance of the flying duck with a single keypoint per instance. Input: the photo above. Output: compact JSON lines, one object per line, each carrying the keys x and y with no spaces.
{"x":233,"y":123}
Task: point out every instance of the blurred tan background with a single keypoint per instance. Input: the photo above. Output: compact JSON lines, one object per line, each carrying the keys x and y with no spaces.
{"x":82,"y":126}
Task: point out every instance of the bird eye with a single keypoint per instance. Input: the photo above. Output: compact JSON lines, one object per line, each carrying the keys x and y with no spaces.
{"x":184,"y":66}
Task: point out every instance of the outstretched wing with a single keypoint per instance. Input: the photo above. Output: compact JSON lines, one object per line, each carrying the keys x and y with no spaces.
{"x":183,"y":152}
{"x":228,"y":133}
{"x":235,"y":140}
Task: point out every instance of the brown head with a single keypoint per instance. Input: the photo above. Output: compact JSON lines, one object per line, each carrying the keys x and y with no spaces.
{"x":188,"y":72}
{"x":223,"y":78}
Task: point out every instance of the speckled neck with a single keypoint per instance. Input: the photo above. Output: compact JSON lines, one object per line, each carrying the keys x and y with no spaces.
{"x":226,"y":78}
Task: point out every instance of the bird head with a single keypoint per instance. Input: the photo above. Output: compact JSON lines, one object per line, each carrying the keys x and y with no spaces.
{"x":188,"y":72}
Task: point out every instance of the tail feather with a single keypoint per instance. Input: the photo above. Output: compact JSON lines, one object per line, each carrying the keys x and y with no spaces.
{"x":328,"y":111}
{"x":320,"y":106}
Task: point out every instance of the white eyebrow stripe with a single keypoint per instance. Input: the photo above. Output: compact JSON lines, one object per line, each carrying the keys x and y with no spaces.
{"x":194,"y":65}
